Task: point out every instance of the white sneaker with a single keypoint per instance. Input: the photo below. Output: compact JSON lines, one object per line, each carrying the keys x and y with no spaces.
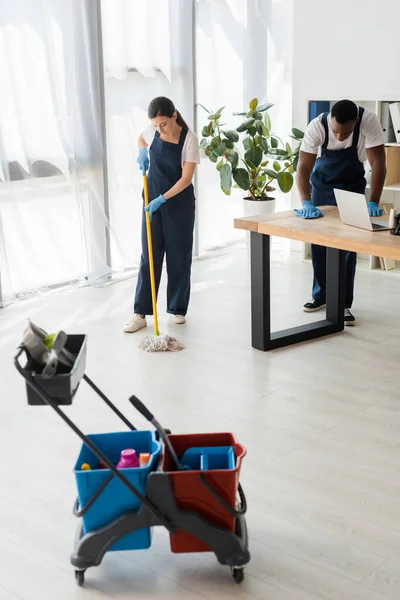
{"x":137,"y":322}
{"x":178,"y":319}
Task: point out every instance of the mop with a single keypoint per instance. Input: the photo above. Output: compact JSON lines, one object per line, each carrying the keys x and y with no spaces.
{"x":158,"y":343}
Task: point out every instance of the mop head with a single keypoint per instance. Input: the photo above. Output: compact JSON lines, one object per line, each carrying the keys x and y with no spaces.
{"x":160,"y":343}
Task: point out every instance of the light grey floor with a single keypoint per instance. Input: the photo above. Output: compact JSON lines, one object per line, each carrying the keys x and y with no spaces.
{"x":321,"y":423}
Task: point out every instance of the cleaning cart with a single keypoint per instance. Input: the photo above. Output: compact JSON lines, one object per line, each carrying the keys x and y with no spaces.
{"x":189,"y":485}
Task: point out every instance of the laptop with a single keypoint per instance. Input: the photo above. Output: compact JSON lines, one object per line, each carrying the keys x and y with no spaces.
{"x":353,"y":210}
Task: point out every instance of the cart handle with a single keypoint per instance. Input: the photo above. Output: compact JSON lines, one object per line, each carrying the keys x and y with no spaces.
{"x":243,"y":502}
{"x":148,"y":504}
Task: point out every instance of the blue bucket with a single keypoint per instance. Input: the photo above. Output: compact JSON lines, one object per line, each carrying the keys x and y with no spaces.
{"x":115,"y":499}
{"x":209,"y":459}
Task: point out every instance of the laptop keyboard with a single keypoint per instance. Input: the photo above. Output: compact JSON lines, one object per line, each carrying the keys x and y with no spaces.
{"x":377,"y":227}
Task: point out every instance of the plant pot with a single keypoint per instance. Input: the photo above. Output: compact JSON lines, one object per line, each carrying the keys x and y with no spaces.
{"x":253,"y":208}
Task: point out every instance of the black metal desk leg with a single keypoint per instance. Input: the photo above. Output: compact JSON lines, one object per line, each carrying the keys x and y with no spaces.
{"x":260,"y":291}
{"x":261,"y":336}
{"x":335,"y":286}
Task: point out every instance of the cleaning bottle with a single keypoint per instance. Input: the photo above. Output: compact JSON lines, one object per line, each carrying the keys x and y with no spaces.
{"x":144,"y":458}
{"x":128,"y":459}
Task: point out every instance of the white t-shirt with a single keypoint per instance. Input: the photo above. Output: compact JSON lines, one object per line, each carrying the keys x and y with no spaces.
{"x":371,"y":135}
{"x":190,"y":150}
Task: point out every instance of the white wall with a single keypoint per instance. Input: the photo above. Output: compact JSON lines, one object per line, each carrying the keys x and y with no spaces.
{"x":345,"y":49}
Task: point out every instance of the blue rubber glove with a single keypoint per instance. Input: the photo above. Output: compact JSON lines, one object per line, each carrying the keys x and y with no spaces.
{"x":374,"y":210}
{"x":143,"y":160}
{"x":155,"y":205}
{"x":308,"y":211}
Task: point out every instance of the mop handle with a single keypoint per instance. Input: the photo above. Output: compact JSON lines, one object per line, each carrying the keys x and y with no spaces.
{"x":151,"y":260}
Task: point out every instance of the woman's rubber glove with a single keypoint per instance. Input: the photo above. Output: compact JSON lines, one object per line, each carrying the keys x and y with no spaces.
{"x":308,"y":211}
{"x":155,"y":205}
{"x":374,"y":210}
{"x":143,"y":160}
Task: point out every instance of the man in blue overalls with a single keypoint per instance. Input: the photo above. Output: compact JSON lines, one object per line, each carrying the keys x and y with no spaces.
{"x":346,"y":137}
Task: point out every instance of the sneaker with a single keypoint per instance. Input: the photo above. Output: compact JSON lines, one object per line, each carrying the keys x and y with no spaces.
{"x":137,"y":322}
{"x":349,"y":319}
{"x":313,"y":305}
{"x":178,"y":319}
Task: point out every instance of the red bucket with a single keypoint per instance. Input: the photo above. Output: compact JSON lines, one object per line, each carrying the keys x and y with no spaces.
{"x":191,"y":494}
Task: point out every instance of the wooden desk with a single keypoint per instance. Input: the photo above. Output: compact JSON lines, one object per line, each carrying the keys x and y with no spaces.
{"x":326,"y":231}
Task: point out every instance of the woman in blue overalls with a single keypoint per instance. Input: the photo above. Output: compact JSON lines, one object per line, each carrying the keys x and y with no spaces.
{"x":173,"y":152}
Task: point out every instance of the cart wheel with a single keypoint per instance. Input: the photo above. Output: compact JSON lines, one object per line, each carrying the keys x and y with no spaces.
{"x":80,"y":577}
{"x":238,"y":574}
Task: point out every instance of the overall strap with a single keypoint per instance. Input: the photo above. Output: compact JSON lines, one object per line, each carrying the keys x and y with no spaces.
{"x":182,"y":137}
{"x":324,"y":122}
{"x":356,"y":133}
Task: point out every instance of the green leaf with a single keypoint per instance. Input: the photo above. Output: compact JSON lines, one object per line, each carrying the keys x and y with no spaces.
{"x":276,"y":165}
{"x":254,"y":154}
{"x":247,"y":143}
{"x":229,"y":144}
{"x":242,"y":178}
{"x":239,"y":114}
{"x":264,"y":144}
{"x":233,"y":158}
{"x":210,"y":129}
{"x":269,"y":188}
{"x":252,"y":131}
{"x":203,"y":143}
{"x":267,"y":121}
{"x":265,"y":131}
{"x":298,"y":134}
{"x":272,"y":174}
{"x":213,"y":157}
{"x":226,"y":178}
{"x":245,"y":125}
{"x":208,"y":151}
{"x":214,"y":117}
{"x":285,"y":181}
{"x":220,"y":150}
{"x":279,"y":152}
{"x":204,"y":108}
{"x":295,"y":163}
{"x":263,"y":107}
{"x":258,"y":125}
{"x":290,"y":169}
{"x":219,"y":111}
{"x":288,"y":148}
{"x":204,"y":131}
{"x":231,"y":135}
{"x":220,"y":164}
{"x":258,"y":116}
{"x":274,"y":142}
{"x":253,"y":104}
{"x":250,"y":165}
{"x":264,"y":163}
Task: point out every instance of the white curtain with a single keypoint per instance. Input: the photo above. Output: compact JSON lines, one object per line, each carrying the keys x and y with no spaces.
{"x":243,"y":50}
{"x":147,"y":53}
{"x":53,"y":225}
{"x":63,"y":217}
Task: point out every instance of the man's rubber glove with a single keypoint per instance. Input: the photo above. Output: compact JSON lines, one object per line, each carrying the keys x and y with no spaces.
{"x":143,"y":160}
{"x":374,"y":210}
{"x":155,"y":205}
{"x":308,"y":211}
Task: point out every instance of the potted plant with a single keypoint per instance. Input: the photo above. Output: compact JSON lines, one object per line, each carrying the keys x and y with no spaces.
{"x":251,"y":155}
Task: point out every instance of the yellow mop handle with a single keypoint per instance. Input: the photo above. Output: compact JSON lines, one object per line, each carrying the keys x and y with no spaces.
{"x":151,"y":261}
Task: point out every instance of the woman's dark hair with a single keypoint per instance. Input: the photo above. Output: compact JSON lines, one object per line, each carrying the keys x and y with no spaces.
{"x":164,"y":107}
{"x":344,"y":111}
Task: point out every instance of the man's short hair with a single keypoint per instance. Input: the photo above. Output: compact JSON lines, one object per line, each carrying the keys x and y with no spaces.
{"x":344,"y":111}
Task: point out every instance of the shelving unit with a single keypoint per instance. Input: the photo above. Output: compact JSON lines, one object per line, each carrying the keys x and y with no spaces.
{"x":391,"y":190}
